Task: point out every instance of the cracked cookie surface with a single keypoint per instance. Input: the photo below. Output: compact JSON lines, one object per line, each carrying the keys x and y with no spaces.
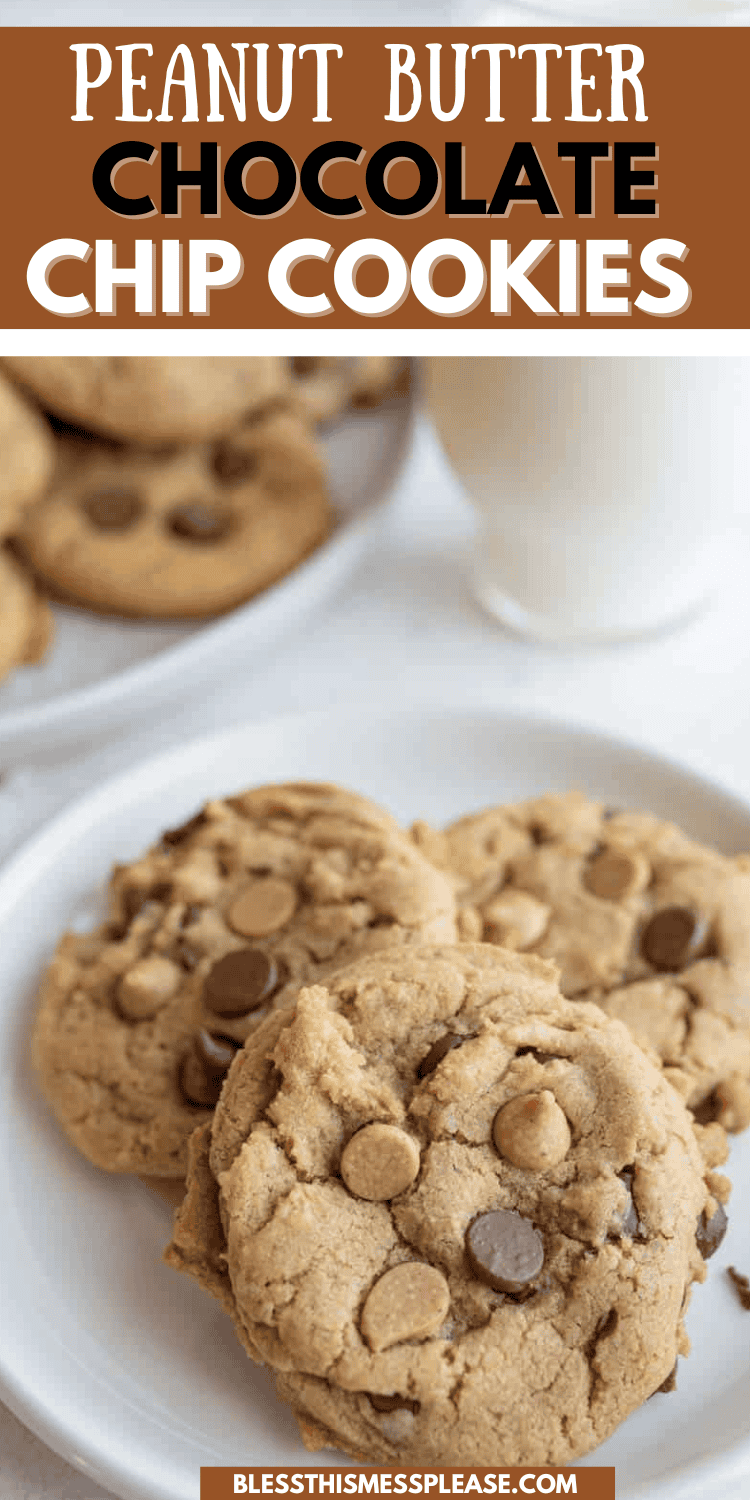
{"x":425,"y":1298}
{"x":218,"y":923}
{"x":652,"y":926}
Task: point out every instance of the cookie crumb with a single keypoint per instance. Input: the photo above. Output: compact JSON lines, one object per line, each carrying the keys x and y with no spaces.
{"x":741,"y":1285}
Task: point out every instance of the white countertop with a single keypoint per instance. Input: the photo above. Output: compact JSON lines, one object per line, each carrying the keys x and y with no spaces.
{"x":405,"y":629}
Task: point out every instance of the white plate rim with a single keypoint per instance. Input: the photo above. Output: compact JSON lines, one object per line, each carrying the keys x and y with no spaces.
{"x":151,"y":672}
{"x":19,"y":872}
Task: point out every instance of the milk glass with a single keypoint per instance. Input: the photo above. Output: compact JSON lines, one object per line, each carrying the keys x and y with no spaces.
{"x":609,"y":491}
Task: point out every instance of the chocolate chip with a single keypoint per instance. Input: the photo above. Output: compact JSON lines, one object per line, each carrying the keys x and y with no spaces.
{"x":133,"y":901}
{"x":607,"y":1324}
{"x":196,"y":523}
{"x":113,"y":509}
{"x":710,"y":1232}
{"x":437,"y":1052}
{"x":215,"y":1051}
{"x":741,"y":1284}
{"x":189,"y":916}
{"x":630,"y":1226}
{"x":540,"y":1057}
{"x":304,"y":366}
{"x":505,"y":1250}
{"x":198,"y":1085}
{"x":709,"y":1109}
{"x":673,"y":938}
{"x":178,"y":835}
{"x":240,"y":982}
{"x":231,"y":463}
{"x":393,"y":1403}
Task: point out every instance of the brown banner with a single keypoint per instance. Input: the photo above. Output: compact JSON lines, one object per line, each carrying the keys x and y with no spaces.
{"x":556,"y":179}
{"x":586,"y":1484}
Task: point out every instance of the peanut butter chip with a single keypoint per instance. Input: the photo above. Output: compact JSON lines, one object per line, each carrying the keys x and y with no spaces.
{"x":505,"y":1250}
{"x":148,"y":986}
{"x":612,"y":875}
{"x":263,"y":907}
{"x":379,"y":1162}
{"x":532,"y":1131}
{"x":409,"y":1302}
{"x":515,"y":919}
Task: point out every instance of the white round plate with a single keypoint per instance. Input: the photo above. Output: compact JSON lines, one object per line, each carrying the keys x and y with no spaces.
{"x":100,"y":670}
{"x":127,"y":1369}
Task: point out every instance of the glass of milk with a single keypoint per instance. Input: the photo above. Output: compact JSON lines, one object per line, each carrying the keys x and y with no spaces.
{"x":609,"y":490}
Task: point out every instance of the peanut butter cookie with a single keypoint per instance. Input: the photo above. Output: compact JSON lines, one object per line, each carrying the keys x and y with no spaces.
{"x":456,"y":1213}
{"x":218,"y":924}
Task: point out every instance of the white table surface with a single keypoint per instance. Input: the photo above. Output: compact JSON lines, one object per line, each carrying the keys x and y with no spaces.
{"x":405,"y":628}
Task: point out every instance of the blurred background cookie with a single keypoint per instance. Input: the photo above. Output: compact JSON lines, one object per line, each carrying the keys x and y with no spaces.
{"x":640,"y":918}
{"x":326,"y":386}
{"x":25,"y":617}
{"x":144,"y":400}
{"x":27,"y":454}
{"x":181,"y":533}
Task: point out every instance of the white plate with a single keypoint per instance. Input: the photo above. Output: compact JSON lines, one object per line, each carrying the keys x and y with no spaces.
{"x":98,"y":668}
{"x":124,"y":1367}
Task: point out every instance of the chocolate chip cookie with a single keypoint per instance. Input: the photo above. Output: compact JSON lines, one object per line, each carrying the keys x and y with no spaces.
{"x":651,"y":925}
{"x":145,"y":400}
{"x":26,"y":455}
{"x":457,"y":1214}
{"x":25,"y":617}
{"x":181,"y":533}
{"x":218,"y":923}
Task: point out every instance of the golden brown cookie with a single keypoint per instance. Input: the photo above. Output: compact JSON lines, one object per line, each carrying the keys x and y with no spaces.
{"x":325,"y":386}
{"x":651,"y":925}
{"x":151,"y":400}
{"x":27,"y":453}
{"x":217,"y":924}
{"x":25,"y":617}
{"x":523,"y":1291}
{"x":183,"y":532}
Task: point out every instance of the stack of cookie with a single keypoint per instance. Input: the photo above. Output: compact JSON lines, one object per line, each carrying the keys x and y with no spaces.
{"x":164,"y":488}
{"x":457,"y":1212}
